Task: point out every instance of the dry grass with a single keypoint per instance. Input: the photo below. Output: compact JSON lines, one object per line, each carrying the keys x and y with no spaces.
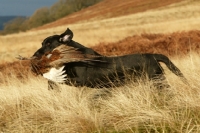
{"x":29,"y":107}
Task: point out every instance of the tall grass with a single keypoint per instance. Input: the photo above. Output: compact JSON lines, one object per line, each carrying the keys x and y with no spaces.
{"x":29,"y":107}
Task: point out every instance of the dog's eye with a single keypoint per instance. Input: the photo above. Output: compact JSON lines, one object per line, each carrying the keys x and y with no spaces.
{"x":47,"y":44}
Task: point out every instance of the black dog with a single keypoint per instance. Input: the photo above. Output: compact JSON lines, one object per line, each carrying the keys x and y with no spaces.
{"x":107,"y":71}
{"x":52,"y":42}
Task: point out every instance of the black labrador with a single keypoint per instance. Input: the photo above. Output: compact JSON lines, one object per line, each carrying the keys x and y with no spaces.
{"x":108,"y":71}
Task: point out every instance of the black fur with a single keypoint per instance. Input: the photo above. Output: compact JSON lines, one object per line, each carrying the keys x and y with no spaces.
{"x":108,"y":71}
{"x":52,"y":42}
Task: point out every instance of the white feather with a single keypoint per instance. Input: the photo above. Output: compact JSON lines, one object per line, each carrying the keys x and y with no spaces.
{"x":56,"y":75}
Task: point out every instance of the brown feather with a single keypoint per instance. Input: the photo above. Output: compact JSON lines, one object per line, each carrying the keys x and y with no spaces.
{"x":60,"y":55}
{"x":69,"y":54}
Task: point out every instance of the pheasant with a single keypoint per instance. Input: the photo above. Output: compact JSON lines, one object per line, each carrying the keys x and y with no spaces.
{"x":51,"y":64}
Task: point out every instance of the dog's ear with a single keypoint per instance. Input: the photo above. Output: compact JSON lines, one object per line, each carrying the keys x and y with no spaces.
{"x":66,"y":36}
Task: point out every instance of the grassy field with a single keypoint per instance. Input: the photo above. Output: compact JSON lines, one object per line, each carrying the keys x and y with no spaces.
{"x":27,"y":105}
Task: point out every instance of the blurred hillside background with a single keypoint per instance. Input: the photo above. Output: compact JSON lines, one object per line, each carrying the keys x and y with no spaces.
{"x":110,"y":27}
{"x":44,"y":15}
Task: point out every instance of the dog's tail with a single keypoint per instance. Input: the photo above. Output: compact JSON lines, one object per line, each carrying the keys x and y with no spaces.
{"x":171,"y":66}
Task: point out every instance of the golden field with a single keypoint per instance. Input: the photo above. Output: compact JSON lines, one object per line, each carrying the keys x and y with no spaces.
{"x":27,"y":105}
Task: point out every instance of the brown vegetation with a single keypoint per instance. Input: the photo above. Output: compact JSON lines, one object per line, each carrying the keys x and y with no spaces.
{"x":16,"y":70}
{"x":177,"y":43}
{"x":109,"y":9}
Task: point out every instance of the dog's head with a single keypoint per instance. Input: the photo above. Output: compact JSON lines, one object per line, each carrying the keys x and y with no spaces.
{"x":52,"y":42}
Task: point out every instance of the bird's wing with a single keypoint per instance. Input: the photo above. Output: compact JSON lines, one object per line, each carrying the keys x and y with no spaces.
{"x":68,"y":54}
{"x":56,"y":75}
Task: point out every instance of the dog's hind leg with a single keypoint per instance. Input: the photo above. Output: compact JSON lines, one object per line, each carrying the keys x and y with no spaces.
{"x":160,"y":82}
